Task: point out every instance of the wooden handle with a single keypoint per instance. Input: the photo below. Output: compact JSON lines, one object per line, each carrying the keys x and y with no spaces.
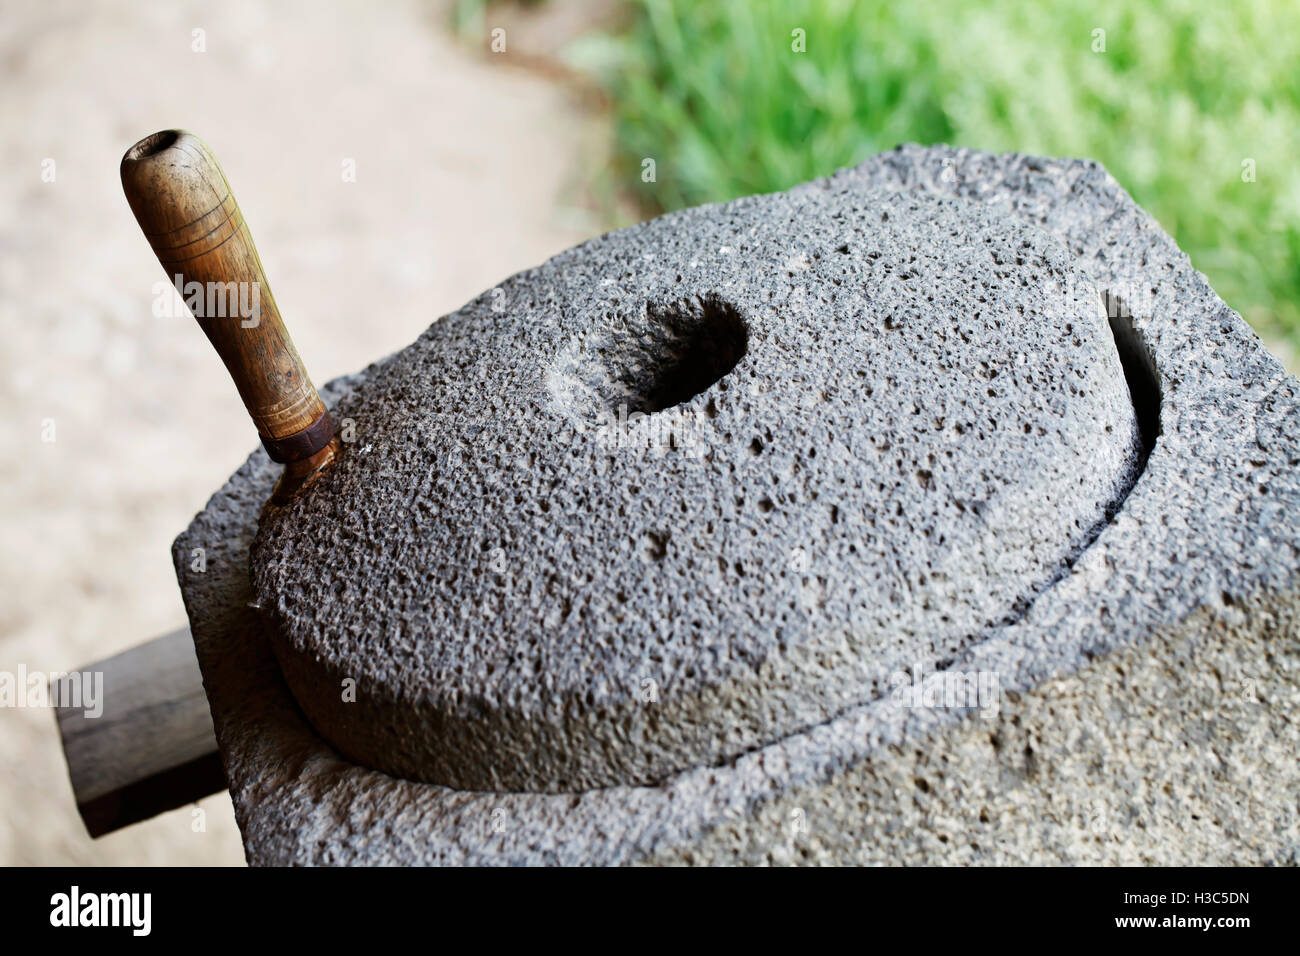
{"x":188,"y":212}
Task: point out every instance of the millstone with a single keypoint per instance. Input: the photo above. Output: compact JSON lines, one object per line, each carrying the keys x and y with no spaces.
{"x":693,"y":487}
{"x":1144,"y":703}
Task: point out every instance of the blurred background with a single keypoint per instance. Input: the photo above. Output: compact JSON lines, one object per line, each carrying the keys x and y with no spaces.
{"x":485,"y":137}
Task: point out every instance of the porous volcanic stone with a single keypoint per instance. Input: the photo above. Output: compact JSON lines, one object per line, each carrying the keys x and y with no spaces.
{"x":867,"y":428}
{"x":1146,"y":700}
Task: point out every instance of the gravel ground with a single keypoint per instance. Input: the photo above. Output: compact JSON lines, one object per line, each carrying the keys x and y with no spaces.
{"x":466,"y":171}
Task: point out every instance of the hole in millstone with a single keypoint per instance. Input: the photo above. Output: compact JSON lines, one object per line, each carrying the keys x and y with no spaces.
{"x":693,"y":345}
{"x":660,"y":358}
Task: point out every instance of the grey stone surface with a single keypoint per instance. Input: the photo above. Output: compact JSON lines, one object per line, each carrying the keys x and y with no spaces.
{"x":1146,"y":698}
{"x":904,"y":417}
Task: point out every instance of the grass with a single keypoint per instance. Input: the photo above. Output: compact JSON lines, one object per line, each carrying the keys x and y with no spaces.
{"x":1182,"y":95}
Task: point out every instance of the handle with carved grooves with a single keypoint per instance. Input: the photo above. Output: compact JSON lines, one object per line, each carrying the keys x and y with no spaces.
{"x":185,"y":207}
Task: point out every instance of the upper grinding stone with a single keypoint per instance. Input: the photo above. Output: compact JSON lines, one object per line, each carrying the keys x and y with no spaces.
{"x":694,"y":486}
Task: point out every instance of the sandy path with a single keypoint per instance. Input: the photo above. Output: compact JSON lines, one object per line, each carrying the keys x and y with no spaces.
{"x":463,"y":167}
